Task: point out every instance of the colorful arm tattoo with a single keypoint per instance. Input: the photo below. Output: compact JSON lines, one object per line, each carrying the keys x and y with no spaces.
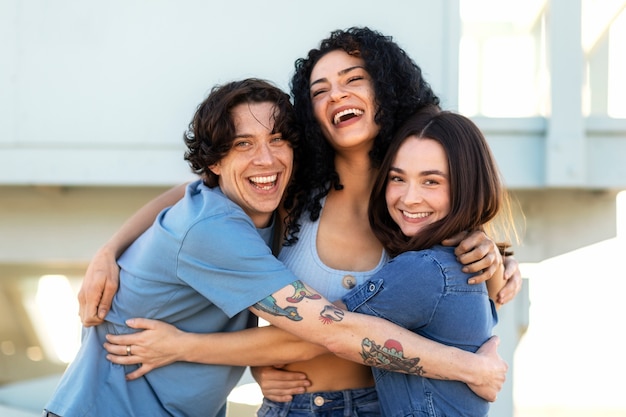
{"x":300,"y":292}
{"x":390,"y":357}
{"x":269,"y":306}
{"x":329,"y":314}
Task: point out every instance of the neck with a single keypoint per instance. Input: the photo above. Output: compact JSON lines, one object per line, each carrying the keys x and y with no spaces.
{"x":356,"y":175}
{"x":261,"y":221}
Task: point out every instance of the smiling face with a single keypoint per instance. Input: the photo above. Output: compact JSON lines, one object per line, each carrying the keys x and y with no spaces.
{"x":255,"y":171}
{"x":418,"y":185}
{"x":343,"y":101}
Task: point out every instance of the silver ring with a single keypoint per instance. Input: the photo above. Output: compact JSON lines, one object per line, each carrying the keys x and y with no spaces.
{"x":128,"y":352}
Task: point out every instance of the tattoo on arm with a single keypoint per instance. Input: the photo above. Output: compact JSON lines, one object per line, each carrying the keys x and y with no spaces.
{"x":329,"y":314}
{"x":269,"y":306}
{"x":300,"y":292}
{"x":390,"y":357}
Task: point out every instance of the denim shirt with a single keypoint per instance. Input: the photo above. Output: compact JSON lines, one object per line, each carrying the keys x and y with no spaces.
{"x":427,"y":293}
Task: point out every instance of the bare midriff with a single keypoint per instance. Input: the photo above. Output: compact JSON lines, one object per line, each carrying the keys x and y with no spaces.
{"x":331,"y":373}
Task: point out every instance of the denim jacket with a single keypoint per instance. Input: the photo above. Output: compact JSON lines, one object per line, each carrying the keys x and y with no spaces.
{"x":427,"y":293}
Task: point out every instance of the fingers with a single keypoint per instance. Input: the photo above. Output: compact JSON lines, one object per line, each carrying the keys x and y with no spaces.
{"x":84,"y":311}
{"x":483,"y":275}
{"x":514,"y":281}
{"x":123,"y":340}
{"x":142,"y":323}
{"x":472,"y":241}
{"x":513,"y":278}
{"x":492,"y":344}
{"x":455,"y":240}
{"x":98,"y":288}
{"x":107,"y":298}
{"x":88,"y":300}
{"x":138,"y":373}
{"x":117,"y":354}
{"x":490,"y":347}
{"x":278,"y":385}
{"x":477,"y":255}
{"x":495,"y":378}
{"x":285,"y":391}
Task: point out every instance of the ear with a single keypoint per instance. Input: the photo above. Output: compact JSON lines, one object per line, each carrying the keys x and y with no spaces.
{"x":216,"y":169}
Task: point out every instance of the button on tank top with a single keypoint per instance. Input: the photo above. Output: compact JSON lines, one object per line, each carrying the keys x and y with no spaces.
{"x":303,"y":260}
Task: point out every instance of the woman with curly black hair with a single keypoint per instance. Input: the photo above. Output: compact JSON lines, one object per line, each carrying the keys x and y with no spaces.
{"x":350,"y":95}
{"x":399,"y":90}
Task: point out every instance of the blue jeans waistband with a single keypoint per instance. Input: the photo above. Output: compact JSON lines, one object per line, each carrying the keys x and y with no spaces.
{"x":362,"y":402}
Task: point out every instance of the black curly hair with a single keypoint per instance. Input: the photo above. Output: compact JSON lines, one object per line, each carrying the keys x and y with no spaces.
{"x":400,"y":91}
{"x":212,"y":131}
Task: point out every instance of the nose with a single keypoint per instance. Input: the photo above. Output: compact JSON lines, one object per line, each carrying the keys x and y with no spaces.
{"x":264,"y":155}
{"x":337,"y":93}
{"x":413,"y":194}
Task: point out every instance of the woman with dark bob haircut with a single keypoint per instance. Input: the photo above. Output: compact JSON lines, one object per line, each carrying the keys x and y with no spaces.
{"x":476,"y":193}
{"x":350,"y":95}
{"x":438,"y":178}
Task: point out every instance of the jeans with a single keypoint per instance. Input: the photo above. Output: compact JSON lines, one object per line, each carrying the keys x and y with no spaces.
{"x":348,"y":403}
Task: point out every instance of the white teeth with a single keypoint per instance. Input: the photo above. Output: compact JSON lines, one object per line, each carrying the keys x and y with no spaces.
{"x":264,"y":183}
{"x":264,"y":180}
{"x":415,"y":215}
{"x":339,"y":115}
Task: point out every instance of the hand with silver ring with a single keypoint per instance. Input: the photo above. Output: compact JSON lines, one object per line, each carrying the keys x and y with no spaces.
{"x":156,"y":344}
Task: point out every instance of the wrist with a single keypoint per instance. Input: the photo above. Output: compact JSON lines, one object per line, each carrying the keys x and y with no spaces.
{"x":469,"y":367}
{"x":108,"y":250}
{"x":186,"y":347}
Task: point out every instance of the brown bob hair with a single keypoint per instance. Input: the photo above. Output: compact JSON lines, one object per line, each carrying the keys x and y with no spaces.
{"x":476,"y":191}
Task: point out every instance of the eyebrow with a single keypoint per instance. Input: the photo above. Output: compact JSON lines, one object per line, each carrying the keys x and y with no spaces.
{"x":342,"y":72}
{"x":423,"y":173}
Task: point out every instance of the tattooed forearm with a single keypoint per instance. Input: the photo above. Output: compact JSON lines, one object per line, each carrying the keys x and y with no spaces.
{"x":390,"y":357}
{"x":300,"y":292}
{"x":269,"y":306}
{"x":331,"y":313}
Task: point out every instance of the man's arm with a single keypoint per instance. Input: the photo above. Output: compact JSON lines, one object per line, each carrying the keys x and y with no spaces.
{"x":102,"y":276}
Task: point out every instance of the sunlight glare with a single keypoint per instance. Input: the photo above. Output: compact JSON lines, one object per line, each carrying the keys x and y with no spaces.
{"x":57,"y":307}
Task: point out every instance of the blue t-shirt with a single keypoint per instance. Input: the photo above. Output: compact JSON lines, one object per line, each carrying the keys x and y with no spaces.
{"x":199,"y":267}
{"x":427,"y":293}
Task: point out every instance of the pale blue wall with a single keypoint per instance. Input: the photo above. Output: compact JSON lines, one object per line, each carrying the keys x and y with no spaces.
{"x":100,"y":92}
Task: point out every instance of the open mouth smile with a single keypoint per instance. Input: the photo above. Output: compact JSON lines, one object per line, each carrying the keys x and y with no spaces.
{"x":264,"y":182}
{"x":415,"y":215}
{"x":346,"y":114}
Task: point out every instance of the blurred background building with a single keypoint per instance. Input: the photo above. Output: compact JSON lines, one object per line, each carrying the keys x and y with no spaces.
{"x":94,"y":97}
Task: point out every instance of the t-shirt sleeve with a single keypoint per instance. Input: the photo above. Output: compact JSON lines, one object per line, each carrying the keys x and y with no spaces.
{"x":225,"y":259}
{"x":405,"y":291}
